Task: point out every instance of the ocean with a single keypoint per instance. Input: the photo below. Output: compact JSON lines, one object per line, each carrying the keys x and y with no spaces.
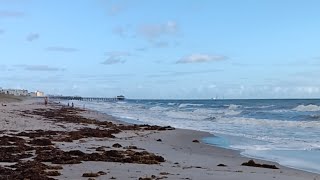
{"x":284,"y":131}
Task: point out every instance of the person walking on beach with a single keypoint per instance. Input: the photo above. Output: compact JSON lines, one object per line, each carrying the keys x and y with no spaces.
{"x":46,"y":101}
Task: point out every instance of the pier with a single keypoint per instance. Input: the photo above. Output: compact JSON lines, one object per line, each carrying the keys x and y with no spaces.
{"x":79,"y":98}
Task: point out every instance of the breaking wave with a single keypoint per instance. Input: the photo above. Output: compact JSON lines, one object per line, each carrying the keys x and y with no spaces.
{"x":310,"y":107}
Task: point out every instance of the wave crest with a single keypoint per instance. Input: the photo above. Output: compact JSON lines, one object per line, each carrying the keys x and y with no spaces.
{"x":310,"y":107}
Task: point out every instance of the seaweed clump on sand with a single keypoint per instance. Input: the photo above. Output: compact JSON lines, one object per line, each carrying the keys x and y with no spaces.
{"x":29,"y":170}
{"x":13,"y":149}
{"x":39,"y":145}
{"x":70,"y":115}
{"x":58,"y":156}
{"x":254,"y":164}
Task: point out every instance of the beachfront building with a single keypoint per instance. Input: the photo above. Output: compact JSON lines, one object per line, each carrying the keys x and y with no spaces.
{"x":39,"y":94}
{"x":14,"y":92}
{"x":32,"y":94}
{"x":36,"y":94}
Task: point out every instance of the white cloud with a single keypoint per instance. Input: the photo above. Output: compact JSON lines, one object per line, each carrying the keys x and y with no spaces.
{"x":116,"y":57}
{"x":121,"y":31}
{"x":33,"y":36}
{"x":153,"y":31}
{"x":201,"y":58}
{"x":115,"y":9}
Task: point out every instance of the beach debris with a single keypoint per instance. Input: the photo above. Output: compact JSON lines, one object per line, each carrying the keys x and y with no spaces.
{"x":71,"y":115}
{"x":52,"y":173}
{"x":164,"y":173}
{"x":102,"y":173}
{"x":196,"y":141}
{"x":14,"y":153}
{"x":116,"y":145}
{"x":91,"y":174}
{"x":254,"y":164}
{"x":159,"y":140}
{"x":41,"y":142}
{"x":132,"y":147}
{"x":100,"y":148}
{"x":165,"y":128}
{"x":28,"y":170}
{"x":57,"y":156}
{"x":222,"y":165}
{"x":146,"y":178}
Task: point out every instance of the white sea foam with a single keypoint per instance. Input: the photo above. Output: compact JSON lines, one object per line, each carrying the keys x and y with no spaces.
{"x":158,"y":108}
{"x":171,"y":104}
{"x":310,"y":107}
{"x":233,"y":106}
{"x":189,"y":104}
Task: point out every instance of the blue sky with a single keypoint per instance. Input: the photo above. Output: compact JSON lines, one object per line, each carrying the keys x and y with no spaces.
{"x":162,"y":49}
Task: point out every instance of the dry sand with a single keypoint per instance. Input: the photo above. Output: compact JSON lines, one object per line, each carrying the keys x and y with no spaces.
{"x":9,"y":98}
{"x":184,"y":159}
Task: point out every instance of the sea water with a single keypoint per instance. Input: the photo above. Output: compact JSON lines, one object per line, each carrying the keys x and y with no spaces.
{"x":286,"y":131}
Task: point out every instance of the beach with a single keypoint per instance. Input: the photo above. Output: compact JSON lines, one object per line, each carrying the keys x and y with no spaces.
{"x":59,"y":142}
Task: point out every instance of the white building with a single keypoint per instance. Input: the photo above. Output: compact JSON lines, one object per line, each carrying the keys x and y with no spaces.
{"x":14,"y":92}
{"x":39,"y":94}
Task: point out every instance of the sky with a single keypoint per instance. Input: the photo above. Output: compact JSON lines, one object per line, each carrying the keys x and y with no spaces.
{"x":162,"y":49}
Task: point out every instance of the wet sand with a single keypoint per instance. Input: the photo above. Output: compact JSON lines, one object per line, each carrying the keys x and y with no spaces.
{"x":69,"y":143}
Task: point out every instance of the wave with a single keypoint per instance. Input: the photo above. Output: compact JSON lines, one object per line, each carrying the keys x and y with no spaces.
{"x":315,"y":116}
{"x":171,"y":104}
{"x":310,"y":107}
{"x":158,"y":108}
{"x":233,"y":106}
{"x":183,"y":105}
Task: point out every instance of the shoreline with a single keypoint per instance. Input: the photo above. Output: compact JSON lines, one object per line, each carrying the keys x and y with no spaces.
{"x":208,"y":134}
{"x":235,"y":152}
{"x":183,"y":158}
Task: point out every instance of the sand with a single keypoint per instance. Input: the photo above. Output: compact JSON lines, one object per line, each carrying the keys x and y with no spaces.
{"x":184,"y":159}
{"x":9,"y":98}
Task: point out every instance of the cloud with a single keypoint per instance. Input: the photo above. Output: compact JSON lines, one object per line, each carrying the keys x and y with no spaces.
{"x":121,"y":31}
{"x":38,"y":67}
{"x":116,"y":57}
{"x":61,"y":49}
{"x":153,"y":31}
{"x":160,"y":44}
{"x":33,"y":36}
{"x":11,"y":14}
{"x":201,"y":58}
{"x":3,"y":67}
{"x":142,"y":49}
{"x":115,"y":9}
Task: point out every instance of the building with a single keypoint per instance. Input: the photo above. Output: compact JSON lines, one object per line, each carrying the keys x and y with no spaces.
{"x":14,"y":92}
{"x":39,"y":94}
{"x":36,"y":94}
{"x":32,"y":94}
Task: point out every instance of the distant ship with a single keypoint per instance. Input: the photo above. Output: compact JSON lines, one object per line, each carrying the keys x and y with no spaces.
{"x":215,"y":98}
